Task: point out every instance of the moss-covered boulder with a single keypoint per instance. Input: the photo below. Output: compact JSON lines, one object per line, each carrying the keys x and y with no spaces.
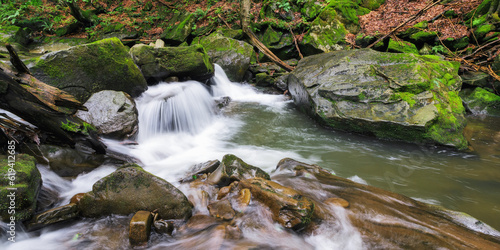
{"x":280,"y":43}
{"x":131,"y":189}
{"x":233,"y":168}
{"x":232,"y":55}
{"x":112,"y":113}
{"x":328,"y":30}
{"x":394,"y":96}
{"x":20,"y":183}
{"x":186,"y":62}
{"x":481,"y":101}
{"x":179,"y":29}
{"x":86,"y":69}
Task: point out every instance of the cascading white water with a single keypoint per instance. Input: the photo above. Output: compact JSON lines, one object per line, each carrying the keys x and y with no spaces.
{"x":174,"y":107}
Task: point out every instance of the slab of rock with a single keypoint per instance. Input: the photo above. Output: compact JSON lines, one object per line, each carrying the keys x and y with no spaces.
{"x":289,"y":208}
{"x":112,"y":113}
{"x":130,"y":189}
{"x":54,"y":215}
{"x":86,"y":69}
{"x":393,"y":96}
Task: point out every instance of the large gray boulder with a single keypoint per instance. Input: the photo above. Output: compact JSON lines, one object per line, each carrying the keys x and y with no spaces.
{"x":187,"y":62}
{"x":112,"y":113}
{"x":232,"y":55}
{"x":131,"y":189}
{"x":86,"y":69}
{"x":394,"y":96}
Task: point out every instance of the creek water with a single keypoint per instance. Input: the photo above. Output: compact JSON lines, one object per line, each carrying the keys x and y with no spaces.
{"x":179,"y":127}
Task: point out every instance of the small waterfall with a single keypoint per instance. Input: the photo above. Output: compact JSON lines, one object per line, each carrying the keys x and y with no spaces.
{"x":174,"y":107}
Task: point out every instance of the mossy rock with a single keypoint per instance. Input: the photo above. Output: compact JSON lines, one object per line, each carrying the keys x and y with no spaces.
{"x":232,"y":169}
{"x":232,"y":55}
{"x":325,"y":34}
{"x":393,"y":96}
{"x":422,"y":37}
{"x":23,"y":187}
{"x":86,"y":69}
{"x":280,"y":43}
{"x":402,"y":47}
{"x":311,"y":9}
{"x":481,"y":31}
{"x":130,"y":189}
{"x":372,"y":4}
{"x":185,"y":62}
{"x":481,"y":101}
{"x":456,"y":44}
{"x":230,"y":33}
{"x":176,"y":34}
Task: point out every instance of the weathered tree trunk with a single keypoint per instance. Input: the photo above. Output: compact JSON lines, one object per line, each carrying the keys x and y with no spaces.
{"x":50,"y":109}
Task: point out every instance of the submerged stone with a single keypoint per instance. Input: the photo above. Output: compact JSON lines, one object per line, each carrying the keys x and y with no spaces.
{"x":86,"y":69}
{"x":393,"y":96}
{"x":130,"y":189}
{"x":289,"y":208}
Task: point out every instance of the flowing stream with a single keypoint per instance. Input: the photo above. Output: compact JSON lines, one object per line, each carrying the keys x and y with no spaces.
{"x":179,"y":127}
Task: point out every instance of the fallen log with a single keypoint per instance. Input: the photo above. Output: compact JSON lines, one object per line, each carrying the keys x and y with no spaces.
{"x":48,"y":108}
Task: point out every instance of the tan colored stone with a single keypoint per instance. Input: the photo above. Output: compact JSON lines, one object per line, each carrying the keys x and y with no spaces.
{"x":221,"y":209}
{"x":337,"y":202}
{"x":76,"y":198}
{"x":140,"y":228}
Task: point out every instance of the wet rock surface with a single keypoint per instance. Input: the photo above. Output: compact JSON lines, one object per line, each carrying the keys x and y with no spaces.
{"x":389,"y":220}
{"x":130,"y":189}
{"x":112,"y":113}
{"x":140,"y":228}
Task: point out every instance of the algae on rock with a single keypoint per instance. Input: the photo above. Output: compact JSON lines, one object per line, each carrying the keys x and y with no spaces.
{"x":19,"y":189}
{"x":394,"y":96}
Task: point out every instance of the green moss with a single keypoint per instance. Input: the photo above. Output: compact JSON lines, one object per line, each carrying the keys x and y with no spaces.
{"x":27,"y":183}
{"x":402,"y":47}
{"x":407,"y":97}
{"x":83,"y":128}
{"x":482,"y":30}
{"x":423,"y":36}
